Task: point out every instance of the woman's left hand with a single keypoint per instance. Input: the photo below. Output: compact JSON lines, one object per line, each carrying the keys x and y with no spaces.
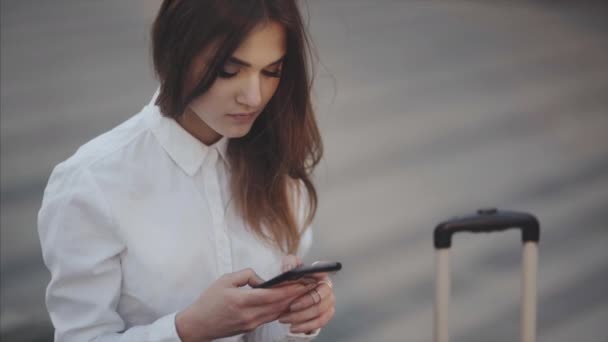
{"x":312,"y":310}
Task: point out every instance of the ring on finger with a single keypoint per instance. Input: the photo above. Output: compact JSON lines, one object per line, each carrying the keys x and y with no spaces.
{"x":326,"y":282}
{"x":316,"y":299}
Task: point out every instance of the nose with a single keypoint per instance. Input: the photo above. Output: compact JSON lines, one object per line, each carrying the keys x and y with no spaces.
{"x":250,"y":94}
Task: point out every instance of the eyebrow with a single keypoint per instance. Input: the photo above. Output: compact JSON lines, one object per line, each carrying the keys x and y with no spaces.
{"x":245,"y":64}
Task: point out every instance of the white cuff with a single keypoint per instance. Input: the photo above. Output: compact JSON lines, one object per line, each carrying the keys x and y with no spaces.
{"x":165,"y":329}
{"x":300,"y":337}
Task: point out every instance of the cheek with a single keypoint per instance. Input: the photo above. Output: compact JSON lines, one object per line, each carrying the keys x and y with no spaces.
{"x":215,"y":101}
{"x":269,"y":88}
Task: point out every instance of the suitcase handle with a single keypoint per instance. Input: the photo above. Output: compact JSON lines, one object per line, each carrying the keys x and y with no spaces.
{"x":486,"y":221}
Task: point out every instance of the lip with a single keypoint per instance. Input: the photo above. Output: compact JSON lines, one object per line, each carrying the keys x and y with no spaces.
{"x":242,"y":117}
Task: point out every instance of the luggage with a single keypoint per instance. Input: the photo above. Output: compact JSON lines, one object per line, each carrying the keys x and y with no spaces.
{"x":486,"y":221}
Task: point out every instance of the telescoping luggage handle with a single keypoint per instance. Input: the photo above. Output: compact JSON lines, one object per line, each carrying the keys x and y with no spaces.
{"x":485,"y":221}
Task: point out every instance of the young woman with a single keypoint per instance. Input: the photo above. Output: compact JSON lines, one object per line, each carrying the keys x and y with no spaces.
{"x":155,"y":230}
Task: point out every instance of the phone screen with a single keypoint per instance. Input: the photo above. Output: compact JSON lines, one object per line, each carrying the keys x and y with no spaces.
{"x":301,"y":271}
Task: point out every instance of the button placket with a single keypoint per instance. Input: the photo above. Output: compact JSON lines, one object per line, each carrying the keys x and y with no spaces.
{"x":213,"y":189}
{"x":218,"y":214}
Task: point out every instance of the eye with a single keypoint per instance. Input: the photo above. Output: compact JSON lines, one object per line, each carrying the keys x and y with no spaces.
{"x":273,"y":73}
{"x":224,"y":74}
{"x":229,"y":70}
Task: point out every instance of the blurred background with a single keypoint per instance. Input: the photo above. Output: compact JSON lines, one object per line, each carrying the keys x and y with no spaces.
{"x":428,"y":109}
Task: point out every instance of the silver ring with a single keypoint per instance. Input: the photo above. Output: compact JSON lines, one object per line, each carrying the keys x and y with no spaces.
{"x":313,"y":297}
{"x":316,"y":301}
{"x":326,"y":282}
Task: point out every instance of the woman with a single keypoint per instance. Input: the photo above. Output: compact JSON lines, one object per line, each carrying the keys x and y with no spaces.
{"x":154,"y":230}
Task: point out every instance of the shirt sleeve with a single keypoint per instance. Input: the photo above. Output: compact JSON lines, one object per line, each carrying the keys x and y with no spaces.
{"x":81,"y":249}
{"x":278,"y":332}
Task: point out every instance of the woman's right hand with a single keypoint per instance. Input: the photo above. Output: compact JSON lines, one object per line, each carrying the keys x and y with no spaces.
{"x":227,"y":309}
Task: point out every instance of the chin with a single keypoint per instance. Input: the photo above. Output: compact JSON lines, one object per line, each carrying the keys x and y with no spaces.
{"x":238,"y":132}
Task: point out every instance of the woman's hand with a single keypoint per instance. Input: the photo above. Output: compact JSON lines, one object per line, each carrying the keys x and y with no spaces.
{"x":226,"y":309}
{"x":312,"y":310}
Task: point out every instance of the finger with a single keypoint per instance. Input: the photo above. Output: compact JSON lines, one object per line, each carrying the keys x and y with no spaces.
{"x":315,"y":323}
{"x":318,"y":276}
{"x":306,"y":301}
{"x":243,"y":277}
{"x":290,"y":262}
{"x":308,"y":314}
{"x":308,"y":280}
{"x":303,"y":302}
{"x":271,"y":312}
{"x":326,"y":282}
{"x":257,"y":297}
{"x":259,"y":314}
{"x":302,"y":281}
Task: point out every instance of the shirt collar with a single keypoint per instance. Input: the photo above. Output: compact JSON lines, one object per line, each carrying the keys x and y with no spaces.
{"x":186,"y":151}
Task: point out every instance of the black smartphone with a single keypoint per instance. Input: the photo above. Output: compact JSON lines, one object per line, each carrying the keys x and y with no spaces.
{"x":301,"y":271}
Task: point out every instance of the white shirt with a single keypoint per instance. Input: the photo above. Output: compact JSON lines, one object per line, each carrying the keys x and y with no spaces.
{"x":136,"y":225}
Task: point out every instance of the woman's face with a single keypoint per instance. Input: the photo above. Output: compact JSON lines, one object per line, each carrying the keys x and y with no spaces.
{"x":246,"y":83}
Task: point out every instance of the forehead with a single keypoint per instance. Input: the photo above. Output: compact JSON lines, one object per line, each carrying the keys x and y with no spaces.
{"x":263,"y":45}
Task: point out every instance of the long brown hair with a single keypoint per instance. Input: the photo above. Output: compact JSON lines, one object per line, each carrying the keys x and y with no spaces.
{"x":272,"y":165}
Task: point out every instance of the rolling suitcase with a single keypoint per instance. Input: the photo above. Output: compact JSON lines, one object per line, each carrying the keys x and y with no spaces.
{"x":485,"y":221}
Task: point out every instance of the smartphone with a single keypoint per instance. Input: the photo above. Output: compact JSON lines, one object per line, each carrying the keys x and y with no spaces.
{"x":301,"y":271}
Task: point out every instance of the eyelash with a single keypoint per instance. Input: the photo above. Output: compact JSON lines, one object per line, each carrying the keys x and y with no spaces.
{"x":274,"y":74}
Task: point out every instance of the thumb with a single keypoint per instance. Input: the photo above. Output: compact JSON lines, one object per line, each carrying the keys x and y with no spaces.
{"x":244,"y":277}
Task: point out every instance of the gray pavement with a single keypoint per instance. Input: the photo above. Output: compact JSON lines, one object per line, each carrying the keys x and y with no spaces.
{"x":428,"y":109}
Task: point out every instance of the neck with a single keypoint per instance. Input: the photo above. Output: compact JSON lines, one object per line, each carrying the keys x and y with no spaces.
{"x":194,"y":125}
